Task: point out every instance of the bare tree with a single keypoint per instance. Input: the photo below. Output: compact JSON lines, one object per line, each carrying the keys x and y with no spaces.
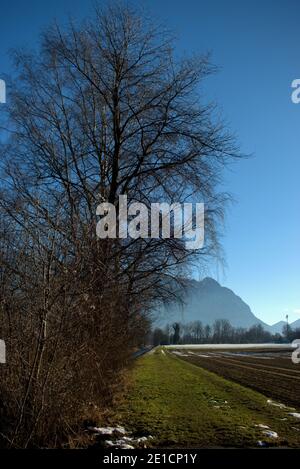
{"x":103,"y":109}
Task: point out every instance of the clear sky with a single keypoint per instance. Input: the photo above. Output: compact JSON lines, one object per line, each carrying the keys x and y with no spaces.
{"x":256,"y":44}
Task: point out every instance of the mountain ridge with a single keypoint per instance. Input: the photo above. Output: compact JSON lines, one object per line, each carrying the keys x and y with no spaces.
{"x":207,"y":300}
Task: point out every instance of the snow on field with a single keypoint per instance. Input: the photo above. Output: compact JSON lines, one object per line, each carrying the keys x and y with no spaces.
{"x":108,"y":430}
{"x":261,"y":443}
{"x":232,"y":346}
{"x":276,"y":404}
{"x":199,"y":354}
{"x":263,"y":357}
{"x":180,"y":353}
{"x":266,"y":431}
{"x":295,"y":414}
{"x":127,"y":442}
{"x":270,"y":433}
{"x":119,"y":444}
{"x":219,"y":403}
{"x":244,"y":354}
{"x":118,"y":437}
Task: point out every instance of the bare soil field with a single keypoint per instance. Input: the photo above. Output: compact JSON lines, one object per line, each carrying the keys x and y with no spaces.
{"x":271,"y":373}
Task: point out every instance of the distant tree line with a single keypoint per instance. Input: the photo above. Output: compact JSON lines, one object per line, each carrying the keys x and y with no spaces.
{"x":220,"y":332}
{"x":290,"y":333}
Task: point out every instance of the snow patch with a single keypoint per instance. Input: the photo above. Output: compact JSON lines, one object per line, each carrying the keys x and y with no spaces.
{"x":261,"y":443}
{"x":295,"y":414}
{"x":108,"y":430}
{"x":270,"y":433}
{"x":233,"y":346}
{"x":295,"y":428}
{"x":181,"y":354}
{"x":119,"y":439}
{"x":276,"y":404}
{"x":142,"y":439}
{"x":119,"y":444}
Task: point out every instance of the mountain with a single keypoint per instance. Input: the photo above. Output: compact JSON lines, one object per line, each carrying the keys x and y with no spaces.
{"x":277,"y":327}
{"x":295,"y":324}
{"x":207,"y":301}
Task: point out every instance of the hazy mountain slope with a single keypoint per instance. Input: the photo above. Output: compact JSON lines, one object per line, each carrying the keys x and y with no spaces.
{"x":277,"y":327}
{"x":295,"y":324}
{"x":207,"y":301}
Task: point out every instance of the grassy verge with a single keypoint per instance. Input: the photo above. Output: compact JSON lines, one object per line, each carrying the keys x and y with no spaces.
{"x":182,"y":405}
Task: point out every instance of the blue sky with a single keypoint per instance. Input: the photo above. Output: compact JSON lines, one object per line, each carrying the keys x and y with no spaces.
{"x":256,"y":45}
